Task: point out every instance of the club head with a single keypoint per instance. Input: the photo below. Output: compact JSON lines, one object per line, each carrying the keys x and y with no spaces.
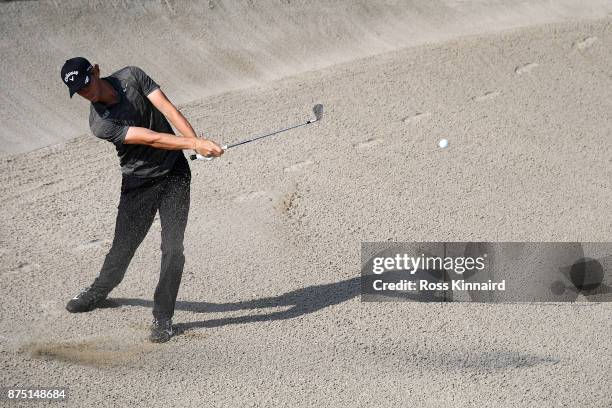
{"x":318,"y":111}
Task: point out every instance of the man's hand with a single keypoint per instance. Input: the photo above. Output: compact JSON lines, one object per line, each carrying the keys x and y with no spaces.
{"x":208,"y":148}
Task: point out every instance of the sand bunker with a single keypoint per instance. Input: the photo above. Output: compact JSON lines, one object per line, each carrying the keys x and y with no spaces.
{"x":198,"y":48}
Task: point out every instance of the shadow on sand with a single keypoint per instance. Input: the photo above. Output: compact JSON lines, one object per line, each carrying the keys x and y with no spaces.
{"x":296,"y":303}
{"x":300,"y":302}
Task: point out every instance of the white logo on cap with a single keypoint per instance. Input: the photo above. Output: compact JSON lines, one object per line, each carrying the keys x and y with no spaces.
{"x":70,"y":76}
{"x":86,"y":79}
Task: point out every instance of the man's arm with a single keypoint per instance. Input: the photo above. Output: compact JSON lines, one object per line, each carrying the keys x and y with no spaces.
{"x":167,"y":108}
{"x":167,"y":141}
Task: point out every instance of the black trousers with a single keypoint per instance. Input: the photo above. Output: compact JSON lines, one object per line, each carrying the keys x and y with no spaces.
{"x":140,"y":200}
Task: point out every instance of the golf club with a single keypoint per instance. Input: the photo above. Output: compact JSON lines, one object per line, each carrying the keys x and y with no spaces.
{"x":318,"y":112}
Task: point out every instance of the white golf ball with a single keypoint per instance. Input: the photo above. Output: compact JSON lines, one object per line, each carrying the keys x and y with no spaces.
{"x":443,"y":143}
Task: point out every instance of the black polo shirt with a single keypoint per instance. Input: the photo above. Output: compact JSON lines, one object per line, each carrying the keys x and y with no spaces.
{"x":111,"y":122}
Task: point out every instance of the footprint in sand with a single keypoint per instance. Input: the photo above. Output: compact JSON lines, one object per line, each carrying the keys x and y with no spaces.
{"x":523,"y":69}
{"x":486,"y":96}
{"x":416,"y":117}
{"x":28,"y":267}
{"x":23,"y":267}
{"x":93,"y":244}
{"x":298,"y":166}
{"x":253,"y":195}
{"x":367,"y":143}
{"x":586,"y":43}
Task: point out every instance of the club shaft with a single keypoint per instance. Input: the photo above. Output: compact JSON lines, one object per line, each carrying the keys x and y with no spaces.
{"x":266,"y":135}
{"x":317,"y":109}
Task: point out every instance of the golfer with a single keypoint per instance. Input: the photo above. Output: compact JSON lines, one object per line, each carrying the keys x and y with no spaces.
{"x":129,"y":110}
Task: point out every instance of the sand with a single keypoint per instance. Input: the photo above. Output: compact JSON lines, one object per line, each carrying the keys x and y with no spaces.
{"x":198,"y":48}
{"x":270,"y":295}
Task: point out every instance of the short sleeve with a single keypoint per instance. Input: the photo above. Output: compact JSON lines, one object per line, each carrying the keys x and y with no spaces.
{"x":109,"y":130}
{"x":146,"y":84}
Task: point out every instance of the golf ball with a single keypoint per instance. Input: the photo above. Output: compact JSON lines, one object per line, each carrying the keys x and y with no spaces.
{"x":443,"y":143}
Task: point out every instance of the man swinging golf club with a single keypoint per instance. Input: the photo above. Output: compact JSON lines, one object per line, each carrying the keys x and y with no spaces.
{"x":129,"y":109}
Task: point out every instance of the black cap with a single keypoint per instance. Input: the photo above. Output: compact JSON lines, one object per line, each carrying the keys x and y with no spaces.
{"x":76,"y":74}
